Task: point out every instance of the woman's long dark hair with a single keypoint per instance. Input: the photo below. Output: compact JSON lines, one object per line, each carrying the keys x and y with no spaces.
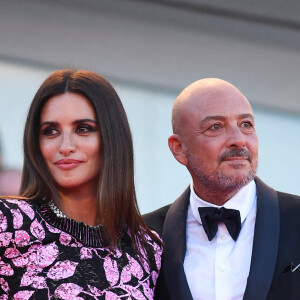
{"x":116,"y":190}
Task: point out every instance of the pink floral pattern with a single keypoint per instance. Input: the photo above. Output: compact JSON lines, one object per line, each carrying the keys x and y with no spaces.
{"x":17,"y":218}
{"x":52,"y":229}
{"x":86,"y":253}
{"x":68,"y":291}
{"x":37,"y":230}
{"x":131,"y":269}
{"x":4,"y":285}
{"x":65,"y":239}
{"x":22,"y":238}
{"x":11,"y":252}
{"x":111,"y":270}
{"x":6,"y":269}
{"x":62,"y":269}
{"x":35,"y":281}
{"x":23,"y":295}
{"x":41,"y":261}
{"x":3,"y":222}
{"x":5,"y":238}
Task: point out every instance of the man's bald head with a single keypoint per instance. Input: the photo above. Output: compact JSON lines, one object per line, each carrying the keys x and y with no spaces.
{"x":215,"y":138}
{"x":194,"y":94}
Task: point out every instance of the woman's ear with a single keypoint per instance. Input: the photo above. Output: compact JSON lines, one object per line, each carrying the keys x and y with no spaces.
{"x":178,"y":148}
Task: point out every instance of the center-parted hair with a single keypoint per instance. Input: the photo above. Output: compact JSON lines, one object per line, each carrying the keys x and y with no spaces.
{"x":116,"y":190}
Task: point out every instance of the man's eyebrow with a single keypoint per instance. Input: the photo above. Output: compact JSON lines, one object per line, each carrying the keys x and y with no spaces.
{"x":245,"y":116}
{"x":209,"y":118}
{"x":217,"y":117}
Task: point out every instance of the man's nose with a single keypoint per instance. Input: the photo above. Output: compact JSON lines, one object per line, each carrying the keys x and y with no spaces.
{"x":236,"y":138}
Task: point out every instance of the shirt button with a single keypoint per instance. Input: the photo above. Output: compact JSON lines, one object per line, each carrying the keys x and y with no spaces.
{"x":223,"y":268}
{"x":223,"y":237}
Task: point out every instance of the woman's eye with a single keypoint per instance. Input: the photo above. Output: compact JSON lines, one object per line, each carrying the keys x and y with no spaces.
{"x":50,"y":131}
{"x":85,"y":129}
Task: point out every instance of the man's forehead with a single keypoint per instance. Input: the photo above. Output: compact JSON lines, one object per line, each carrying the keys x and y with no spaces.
{"x":209,"y":97}
{"x":215,"y":105}
{"x":217,"y":101}
{"x":208,"y":87}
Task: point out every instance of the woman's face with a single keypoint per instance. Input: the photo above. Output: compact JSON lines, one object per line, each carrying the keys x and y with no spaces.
{"x":70,"y":141}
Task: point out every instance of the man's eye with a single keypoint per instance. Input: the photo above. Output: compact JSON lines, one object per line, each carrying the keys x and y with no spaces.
{"x":215,"y":127}
{"x":247,"y":125}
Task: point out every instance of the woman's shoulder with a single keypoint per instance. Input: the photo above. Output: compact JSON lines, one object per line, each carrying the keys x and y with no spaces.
{"x":146,"y":238}
{"x":12,"y":205}
{"x":154,"y":241}
{"x":158,"y":238}
{"x":15,"y":201}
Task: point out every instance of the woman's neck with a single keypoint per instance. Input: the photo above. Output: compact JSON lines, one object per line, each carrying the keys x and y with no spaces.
{"x":81,"y":206}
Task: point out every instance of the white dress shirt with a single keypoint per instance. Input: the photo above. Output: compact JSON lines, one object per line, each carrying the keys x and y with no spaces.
{"x":218,"y":269}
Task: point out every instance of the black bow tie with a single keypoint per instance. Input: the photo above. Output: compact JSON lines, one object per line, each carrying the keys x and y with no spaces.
{"x":211,"y":217}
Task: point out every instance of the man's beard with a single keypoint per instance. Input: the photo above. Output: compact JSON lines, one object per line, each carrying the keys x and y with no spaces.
{"x":217,"y":179}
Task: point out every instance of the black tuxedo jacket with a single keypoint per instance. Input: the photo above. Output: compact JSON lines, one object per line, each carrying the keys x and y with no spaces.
{"x":276,"y":247}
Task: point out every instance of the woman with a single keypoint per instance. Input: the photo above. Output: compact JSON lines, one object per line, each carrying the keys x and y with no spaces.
{"x":77,"y":233}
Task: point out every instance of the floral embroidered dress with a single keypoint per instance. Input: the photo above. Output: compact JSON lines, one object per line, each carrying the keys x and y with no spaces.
{"x":46,"y":257}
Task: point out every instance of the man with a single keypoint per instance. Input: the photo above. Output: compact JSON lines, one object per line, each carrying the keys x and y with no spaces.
{"x":229,"y":235}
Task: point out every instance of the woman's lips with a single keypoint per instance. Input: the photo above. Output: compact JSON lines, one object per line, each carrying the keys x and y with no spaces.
{"x":67,"y":164}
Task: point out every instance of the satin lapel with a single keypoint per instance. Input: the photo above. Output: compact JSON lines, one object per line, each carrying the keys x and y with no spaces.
{"x":174,"y":237}
{"x":265,"y":243}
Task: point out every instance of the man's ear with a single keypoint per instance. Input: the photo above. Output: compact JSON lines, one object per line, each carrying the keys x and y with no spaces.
{"x":177,"y":147}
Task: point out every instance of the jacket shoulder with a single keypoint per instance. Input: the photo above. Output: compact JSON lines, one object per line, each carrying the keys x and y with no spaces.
{"x":288,"y":202}
{"x":155,"y":219}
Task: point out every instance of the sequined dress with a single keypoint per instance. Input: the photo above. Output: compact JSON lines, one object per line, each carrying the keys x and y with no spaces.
{"x":46,"y":257}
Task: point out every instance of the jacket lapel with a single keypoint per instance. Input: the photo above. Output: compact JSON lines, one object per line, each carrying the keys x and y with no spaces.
{"x":265,"y":243}
{"x":174,"y":237}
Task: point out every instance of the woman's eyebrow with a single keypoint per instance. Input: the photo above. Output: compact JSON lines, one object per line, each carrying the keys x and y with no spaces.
{"x":84,"y":120}
{"x":48,"y":123}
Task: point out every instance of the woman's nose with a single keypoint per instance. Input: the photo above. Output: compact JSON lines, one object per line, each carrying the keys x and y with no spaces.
{"x":67,"y":144}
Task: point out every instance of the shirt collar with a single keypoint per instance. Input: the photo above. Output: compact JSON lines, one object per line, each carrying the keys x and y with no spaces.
{"x":241,"y":201}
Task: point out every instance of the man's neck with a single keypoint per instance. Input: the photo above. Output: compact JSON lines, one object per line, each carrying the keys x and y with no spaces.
{"x":215,"y":196}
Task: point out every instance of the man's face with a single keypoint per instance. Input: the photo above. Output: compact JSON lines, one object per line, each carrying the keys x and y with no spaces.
{"x":219,"y":139}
